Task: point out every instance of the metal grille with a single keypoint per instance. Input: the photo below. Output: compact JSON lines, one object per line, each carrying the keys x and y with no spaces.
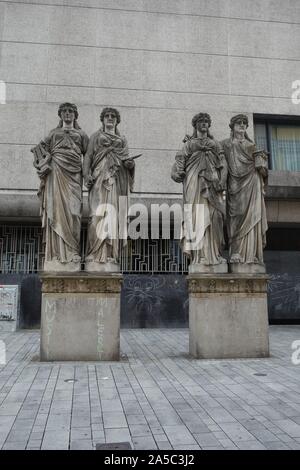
{"x":153,"y":256}
{"x":21,"y":251}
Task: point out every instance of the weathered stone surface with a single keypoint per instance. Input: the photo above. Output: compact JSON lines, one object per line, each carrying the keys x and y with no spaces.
{"x":247,"y":268}
{"x":80,"y":318}
{"x":81,"y":283}
{"x":201,"y":167}
{"x":57,"y":160}
{"x":56,"y":266}
{"x":228,"y":316}
{"x":246,"y":211}
{"x":93,"y":266}
{"x":210,"y":269}
{"x":224,"y":284}
{"x":108,"y":172}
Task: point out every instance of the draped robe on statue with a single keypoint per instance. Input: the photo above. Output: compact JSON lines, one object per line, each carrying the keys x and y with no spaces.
{"x":203,"y":162}
{"x":111,"y":180}
{"x":246,"y":212}
{"x":61,"y":194}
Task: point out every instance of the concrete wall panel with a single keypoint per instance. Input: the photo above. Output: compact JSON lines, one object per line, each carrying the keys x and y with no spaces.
{"x":22,"y":123}
{"x":159,"y":62}
{"x":73,"y":26}
{"x":250,"y":77}
{"x":267,"y":10}
{"x":27,"y":23}
{"x":24,"y":63}
{"x":17,"y":171}
{"x":260,"y":39}
{"x":71,"y":66}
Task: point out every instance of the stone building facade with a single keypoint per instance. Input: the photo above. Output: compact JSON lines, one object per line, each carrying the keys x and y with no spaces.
{"x":159,"y":62}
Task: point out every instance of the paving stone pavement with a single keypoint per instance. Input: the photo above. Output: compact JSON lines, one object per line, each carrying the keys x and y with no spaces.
{"x":156,"y":397}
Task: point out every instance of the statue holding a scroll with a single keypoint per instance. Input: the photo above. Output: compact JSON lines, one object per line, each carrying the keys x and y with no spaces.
{"x":109,"y":176}
{"x":58,"y":160}
{"x":246,"y":212}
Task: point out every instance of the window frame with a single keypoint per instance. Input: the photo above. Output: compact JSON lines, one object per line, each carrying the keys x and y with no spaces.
{"x":274,"y":119}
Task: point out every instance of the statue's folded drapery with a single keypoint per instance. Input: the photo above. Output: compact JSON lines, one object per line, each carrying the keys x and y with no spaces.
{"x":246,"y":212}
{"x":205,"y":173}
{"x":111,"y":179}
{"x":61,"y":194}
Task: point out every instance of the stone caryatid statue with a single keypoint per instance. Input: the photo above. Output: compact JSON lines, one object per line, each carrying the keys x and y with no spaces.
{"x":58,"y":160}
{"x":201,"y":167}
{"x":108,"y":174}
{"x":246,"y":213}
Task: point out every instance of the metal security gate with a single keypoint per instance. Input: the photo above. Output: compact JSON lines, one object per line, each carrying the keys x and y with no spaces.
{"x":153,"y":294}
{"x":22,"y":252}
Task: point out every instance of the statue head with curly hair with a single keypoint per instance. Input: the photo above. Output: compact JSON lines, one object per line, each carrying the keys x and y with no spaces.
{"x":200,"y":117}
{"x":68,"y":112}
{"x":110,"y":118}
{"x":241,"y":120}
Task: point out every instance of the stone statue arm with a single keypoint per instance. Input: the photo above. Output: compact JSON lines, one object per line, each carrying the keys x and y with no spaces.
{"x":128,"y":162}
{"x":85,"y":143}
{"x":179,"y":168}
{"x":223,"y":169}
{"x":261,"y":166}
{"x":87,"y":161}
{"x":261,"y":162}
{"x":42,"y":156}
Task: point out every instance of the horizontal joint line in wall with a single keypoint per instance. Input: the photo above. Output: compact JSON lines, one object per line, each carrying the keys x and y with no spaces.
{"x":130,"y":148}
{"x":175,"y":92}
{"x":151,"y":50}
{"x":195,"y":15}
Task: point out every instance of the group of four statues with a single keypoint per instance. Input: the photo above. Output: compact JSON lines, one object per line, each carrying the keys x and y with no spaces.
{"x":227,"y":179}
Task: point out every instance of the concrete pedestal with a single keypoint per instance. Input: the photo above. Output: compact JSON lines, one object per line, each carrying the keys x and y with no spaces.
{"x":208,"y":269}
{"x":80,"y":317}
{"x":56,"y":266}
{"x":228,"y":316}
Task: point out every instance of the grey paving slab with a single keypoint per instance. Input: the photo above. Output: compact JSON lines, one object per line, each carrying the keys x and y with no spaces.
{"x":15,"y":445}
{"x":251,"y":445}
{"x":58,"y":421}
{"x":179,"y":434}
{"x":157,"y":398}
{"x":117,"y":435}
{"x":136,"y":419}
{"x":164,"y":445}
{"x":276,"y":446}
{"x":206,"y":439}
{"x":289,"y":427}
{"x":264,"y":435}
{"x":294,"y":445}
{"x":81,"y":434}
{"x":114,"y":419}
{"x":144,"y":443}
{"x":187,"y":447}
{"x":227,"y":444}
{"x":82,"y":444}
{"x":139,"y":430}
{"x":236,"y":432}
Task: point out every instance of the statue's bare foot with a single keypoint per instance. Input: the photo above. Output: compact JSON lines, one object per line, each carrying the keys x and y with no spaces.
{"x":235,"y":258}
{"x":222,"y":260}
